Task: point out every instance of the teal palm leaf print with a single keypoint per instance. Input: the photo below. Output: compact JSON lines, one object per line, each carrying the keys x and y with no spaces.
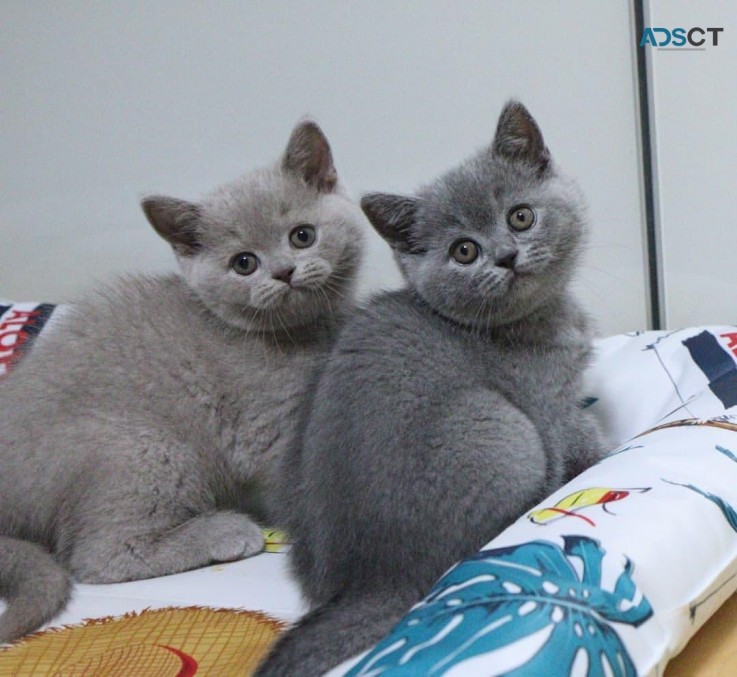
{"x":730,"y":514}
{"x":528,"y":608}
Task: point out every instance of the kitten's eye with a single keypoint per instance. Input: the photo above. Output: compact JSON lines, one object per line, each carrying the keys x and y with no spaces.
{"x":521,"y":218}
{"x":302,"y":236}
{"x":244,"y":263}
{"x":465,"y":251}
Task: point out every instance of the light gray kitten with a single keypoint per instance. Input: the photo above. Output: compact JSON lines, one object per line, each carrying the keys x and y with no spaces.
{"x":447,"y":409}
{"x":141,"y":428}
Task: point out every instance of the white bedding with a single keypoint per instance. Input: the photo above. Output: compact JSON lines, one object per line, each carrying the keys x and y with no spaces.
{"x":612,"y":574}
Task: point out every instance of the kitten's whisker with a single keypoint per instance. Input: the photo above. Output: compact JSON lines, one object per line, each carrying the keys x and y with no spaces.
{"x":327,"y":299}
{"x":475,"y":321}
{"x":283,"y":326}
{"x":486,"y":303}
{"x":338,"y":289}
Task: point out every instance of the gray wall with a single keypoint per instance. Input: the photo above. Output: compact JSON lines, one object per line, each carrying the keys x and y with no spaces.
{"x":102,"y":102}
{"x":694,"y":98}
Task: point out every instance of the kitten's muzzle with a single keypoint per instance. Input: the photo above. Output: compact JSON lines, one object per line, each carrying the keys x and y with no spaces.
{"x":506,"y":259}
{"x":284,"y":275}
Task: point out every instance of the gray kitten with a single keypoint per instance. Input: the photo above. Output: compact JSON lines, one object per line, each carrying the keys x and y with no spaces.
{"x":447,"y":409}
{"x":141,"y":428}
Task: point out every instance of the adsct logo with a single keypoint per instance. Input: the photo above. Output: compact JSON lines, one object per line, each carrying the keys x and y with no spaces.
{"x":680,"y":38}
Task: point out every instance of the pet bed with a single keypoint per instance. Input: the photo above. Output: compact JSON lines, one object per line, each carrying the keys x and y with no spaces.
{"x":612,"y":574}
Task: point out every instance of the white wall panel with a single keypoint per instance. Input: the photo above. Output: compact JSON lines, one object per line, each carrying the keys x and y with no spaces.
{"x":103,"y":102}
{"x":694,"y":96}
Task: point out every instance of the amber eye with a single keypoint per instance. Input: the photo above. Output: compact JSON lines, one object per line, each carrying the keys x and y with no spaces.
{"x":464,"y":251}
{"x":521,"y":218}
{"x":302,"y":236}
{"x":244,"y":263}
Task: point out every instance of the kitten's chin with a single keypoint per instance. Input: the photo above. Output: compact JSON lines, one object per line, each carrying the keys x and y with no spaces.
{"x":301,"y":307}
{"x":490,"y":317}
{"x":519,"y":300}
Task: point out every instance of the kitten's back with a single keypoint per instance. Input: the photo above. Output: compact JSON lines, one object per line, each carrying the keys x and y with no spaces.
{"x":372,"y":453}
{"x":87,"y":358}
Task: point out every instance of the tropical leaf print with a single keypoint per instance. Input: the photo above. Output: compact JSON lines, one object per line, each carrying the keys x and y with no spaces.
{"x":729,"y":454}
{"x":730,"y":514}
{"x":529,"y":610}
{"x":621,"y":450}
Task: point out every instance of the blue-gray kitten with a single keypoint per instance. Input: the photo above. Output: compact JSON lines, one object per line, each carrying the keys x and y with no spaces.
{"x":139,"y":431}
{"x":446,"y":409}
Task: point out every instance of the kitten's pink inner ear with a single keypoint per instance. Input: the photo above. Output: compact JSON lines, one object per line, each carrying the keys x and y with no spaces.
{"x":518,"y":137}
{"x":328,"y":180}
{"x":309,"y":156}
{"x":177,"y":221}
{"x":392,"y":216}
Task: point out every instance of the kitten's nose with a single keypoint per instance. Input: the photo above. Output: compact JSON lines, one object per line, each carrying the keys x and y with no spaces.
{"x":284,"y":275}
{"x":506,"y":258}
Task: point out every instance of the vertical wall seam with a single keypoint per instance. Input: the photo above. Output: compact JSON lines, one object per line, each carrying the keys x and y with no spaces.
{"x":656,"y":292}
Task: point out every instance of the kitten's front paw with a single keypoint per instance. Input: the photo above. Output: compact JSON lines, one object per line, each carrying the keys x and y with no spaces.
{"x":588,"y":446}
{"x":233,"y":535}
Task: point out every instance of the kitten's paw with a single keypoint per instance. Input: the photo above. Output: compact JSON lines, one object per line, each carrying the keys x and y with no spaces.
{"x":232,"y":535}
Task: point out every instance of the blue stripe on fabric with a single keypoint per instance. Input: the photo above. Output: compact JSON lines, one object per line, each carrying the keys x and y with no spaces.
{"x":717,"y":364}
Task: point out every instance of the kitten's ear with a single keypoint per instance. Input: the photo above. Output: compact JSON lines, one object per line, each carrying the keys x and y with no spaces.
{"x":177,"y":221}
{"x":393,"y":216}
{"x":518,"y":138}
{"x":308,"y":156}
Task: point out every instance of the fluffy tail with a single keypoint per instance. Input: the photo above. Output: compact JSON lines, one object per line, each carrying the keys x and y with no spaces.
{"x":34,"y":586}
{"x":331,"y":634}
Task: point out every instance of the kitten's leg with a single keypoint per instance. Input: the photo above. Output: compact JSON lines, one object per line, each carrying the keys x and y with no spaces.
{"x":147,"y":507}
{"x":487,"y":465}
{"x":588,"y":446}
{"x":461,"y":470}
{"x":123,"y":554}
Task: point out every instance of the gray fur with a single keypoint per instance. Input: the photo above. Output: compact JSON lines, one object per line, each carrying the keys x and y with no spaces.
{"x":146,"y":423}
{"x":445,"y":410}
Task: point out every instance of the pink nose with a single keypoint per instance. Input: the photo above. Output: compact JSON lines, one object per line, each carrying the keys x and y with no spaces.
{"x":284,"y":275}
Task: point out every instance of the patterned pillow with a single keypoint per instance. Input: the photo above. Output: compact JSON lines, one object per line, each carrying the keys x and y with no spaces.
{"x":20,"y":324}
{"x":616,"y":571}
